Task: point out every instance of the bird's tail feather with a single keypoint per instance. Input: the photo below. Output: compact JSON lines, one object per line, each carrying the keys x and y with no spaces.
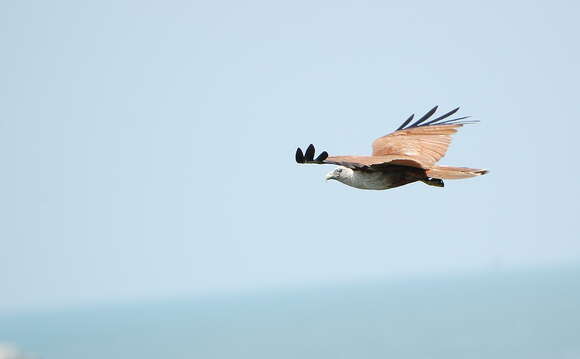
{"x":446,"y":172}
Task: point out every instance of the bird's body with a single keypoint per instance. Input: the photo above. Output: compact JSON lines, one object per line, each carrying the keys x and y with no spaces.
{"x":407,"y":155}
{"x":370,"y":180}
{"x":376,"y":180}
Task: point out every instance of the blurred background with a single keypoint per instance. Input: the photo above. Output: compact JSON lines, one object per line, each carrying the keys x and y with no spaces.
{"x":151,"y":206}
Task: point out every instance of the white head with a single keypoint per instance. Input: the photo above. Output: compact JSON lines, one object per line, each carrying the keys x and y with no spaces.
{"x":340,"y":173}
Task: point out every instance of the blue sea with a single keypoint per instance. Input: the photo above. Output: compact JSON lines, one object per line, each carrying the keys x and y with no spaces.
{"x":505,"y":314}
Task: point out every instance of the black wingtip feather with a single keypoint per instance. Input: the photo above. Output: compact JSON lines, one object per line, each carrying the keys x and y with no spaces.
{"x":406,"y":122}
{"x":442,"y":116}
{"x":425,"y":117}
{"x":454,"y":121}
{"x":299,"y":155}
{"x":321,"y":157}
{"x":309,"y":155}
{"x":435,"y":122}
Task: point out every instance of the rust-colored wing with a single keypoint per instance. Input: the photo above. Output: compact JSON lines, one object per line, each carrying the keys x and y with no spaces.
{"x":423,"y":142}
{"x":372,"y":162}
{"x":355,"y":162}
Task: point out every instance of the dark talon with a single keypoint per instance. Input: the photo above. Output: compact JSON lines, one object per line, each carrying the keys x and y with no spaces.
{"x":299,"y":155}
{"x":436,"y":182}
{"x":309,"y":155}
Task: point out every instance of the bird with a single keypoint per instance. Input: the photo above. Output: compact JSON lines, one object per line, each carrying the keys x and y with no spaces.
{"x":409,"y":154}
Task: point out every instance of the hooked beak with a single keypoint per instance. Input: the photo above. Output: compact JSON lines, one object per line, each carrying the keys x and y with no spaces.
{"x":329,"y":176}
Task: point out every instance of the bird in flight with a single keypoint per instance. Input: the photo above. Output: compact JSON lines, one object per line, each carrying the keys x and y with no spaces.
{"x":405,"y":156}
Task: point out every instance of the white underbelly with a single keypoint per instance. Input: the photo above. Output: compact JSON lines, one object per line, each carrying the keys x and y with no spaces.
{"x":371,"y":180}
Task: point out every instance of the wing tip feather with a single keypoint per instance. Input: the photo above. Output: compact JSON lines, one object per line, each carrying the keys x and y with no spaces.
{"x":308,"y":156}
{"x":437,"y":121}
{"x":299,"y":155}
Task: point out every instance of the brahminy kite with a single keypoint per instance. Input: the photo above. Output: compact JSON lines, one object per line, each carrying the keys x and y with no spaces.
{"x":405,"y":156}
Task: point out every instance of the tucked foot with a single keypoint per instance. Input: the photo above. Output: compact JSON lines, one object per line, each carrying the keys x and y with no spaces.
{"x":433,"y":182}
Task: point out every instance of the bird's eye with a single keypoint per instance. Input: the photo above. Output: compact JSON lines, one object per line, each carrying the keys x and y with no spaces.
{"x":338,"y":170}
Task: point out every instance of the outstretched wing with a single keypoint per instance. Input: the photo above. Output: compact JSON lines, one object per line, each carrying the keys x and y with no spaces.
{"x":424,"y":142}
{"x":355,"y":162}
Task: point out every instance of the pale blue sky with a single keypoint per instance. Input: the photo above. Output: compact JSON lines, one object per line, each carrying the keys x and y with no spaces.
{"x":147,"y":147}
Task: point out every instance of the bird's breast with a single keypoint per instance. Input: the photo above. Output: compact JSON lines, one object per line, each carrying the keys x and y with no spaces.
{"x":371,"y":180}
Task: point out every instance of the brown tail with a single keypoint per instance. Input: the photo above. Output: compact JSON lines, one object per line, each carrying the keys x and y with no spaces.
{"x":446,"y":172}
